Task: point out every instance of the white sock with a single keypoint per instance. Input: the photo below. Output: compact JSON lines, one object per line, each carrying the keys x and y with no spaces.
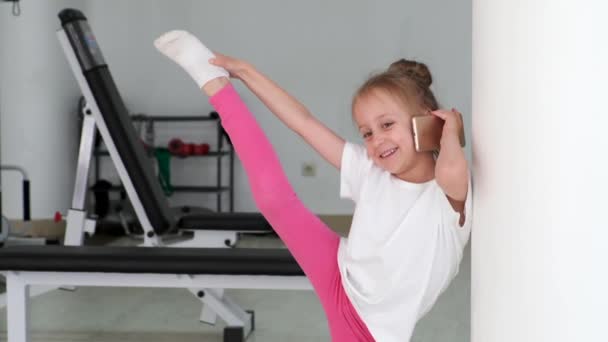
{"x":187,"y":51}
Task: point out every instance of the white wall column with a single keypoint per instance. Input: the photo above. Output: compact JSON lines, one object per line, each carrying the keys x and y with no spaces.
{"x":540,"y":150}
{"x":38,"y":102}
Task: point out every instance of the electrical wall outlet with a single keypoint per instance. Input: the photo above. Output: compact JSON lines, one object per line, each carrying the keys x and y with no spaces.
{"x":309,"y":170}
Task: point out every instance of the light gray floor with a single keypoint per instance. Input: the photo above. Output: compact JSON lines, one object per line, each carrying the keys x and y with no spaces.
{"x":155,"y":315}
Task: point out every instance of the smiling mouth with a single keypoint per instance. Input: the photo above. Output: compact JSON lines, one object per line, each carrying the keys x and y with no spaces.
{"x":388,"y":153}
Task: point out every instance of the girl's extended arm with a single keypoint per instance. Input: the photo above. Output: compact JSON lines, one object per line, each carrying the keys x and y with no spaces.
{"x":289,"y":110}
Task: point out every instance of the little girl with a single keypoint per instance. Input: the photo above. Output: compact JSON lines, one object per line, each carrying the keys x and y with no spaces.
{"x":413,"y":209}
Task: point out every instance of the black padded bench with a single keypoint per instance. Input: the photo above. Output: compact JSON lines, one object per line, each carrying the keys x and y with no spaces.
{"x":199,"y":270}
{"x":243,"y":222}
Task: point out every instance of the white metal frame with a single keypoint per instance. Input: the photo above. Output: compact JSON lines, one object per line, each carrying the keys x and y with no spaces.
{"x":18,"y":291}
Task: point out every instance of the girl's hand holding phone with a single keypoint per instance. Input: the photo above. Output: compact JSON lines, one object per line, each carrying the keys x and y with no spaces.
{"x":453,"y":128}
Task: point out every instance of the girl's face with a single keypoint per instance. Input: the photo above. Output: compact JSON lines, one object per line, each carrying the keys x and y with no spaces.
{"x":385,"y":126}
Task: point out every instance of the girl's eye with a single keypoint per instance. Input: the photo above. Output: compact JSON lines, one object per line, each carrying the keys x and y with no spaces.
{"x":387,"y":124}
{"x":367,"y":135}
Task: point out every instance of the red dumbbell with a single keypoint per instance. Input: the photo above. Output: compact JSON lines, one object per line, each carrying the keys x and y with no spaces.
{"x":201,"y":149}
{"x":179,"y":148}
{"x":189,"y":149}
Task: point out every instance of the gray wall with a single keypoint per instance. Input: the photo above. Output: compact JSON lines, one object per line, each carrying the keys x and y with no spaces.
{"x":37,"y":106}
{"x":319,"y":51}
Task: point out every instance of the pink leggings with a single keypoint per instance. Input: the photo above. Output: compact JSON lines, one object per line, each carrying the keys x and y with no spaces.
{"x":310,"y":241}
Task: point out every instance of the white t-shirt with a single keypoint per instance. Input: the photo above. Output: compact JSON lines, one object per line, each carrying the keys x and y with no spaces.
{"x":403,"y":249}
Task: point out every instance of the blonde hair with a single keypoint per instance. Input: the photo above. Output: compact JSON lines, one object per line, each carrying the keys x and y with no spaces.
{"x":408,"y":81}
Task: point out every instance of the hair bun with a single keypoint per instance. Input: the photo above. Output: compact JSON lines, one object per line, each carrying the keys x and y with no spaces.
{"x":413,"y":70}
